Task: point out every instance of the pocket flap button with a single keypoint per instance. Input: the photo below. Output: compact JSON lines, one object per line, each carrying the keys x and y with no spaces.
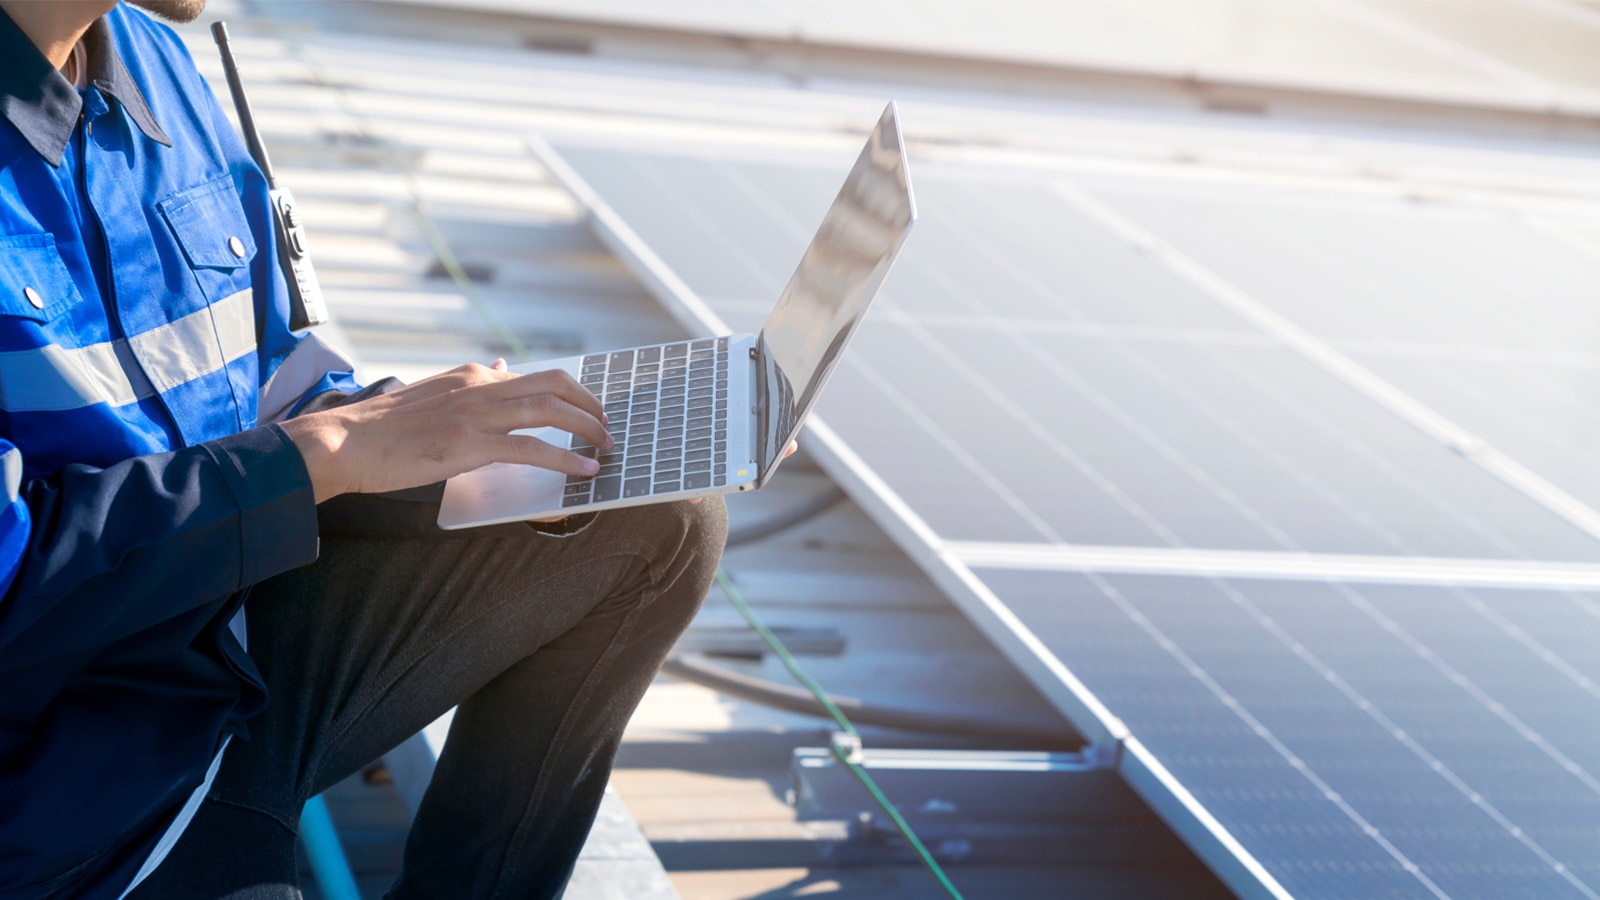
{"x":237,"y":246}
{"x":33,"y":297}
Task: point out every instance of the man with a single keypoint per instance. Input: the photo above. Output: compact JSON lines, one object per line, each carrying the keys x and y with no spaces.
{"x":171,"y":454}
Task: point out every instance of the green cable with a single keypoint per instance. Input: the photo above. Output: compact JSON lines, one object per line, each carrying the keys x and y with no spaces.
{"x":447,"y":258}
{"x":841,"y":753}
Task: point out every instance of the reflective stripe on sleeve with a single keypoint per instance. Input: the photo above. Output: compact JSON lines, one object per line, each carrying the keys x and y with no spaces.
{"x":11,"y":472}
{"x":305,"y":365}
{"x":54,"y":378}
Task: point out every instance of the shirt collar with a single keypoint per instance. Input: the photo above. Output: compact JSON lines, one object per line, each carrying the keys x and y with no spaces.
{"x":44,"y":106}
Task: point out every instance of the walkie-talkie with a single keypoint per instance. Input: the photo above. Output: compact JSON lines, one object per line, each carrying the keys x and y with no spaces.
{"x":306,"y":307}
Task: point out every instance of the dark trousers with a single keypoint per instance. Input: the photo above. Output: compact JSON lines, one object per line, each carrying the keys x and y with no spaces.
{"x":545,"y":643}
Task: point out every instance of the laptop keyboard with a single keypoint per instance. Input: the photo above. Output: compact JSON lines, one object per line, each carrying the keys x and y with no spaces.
{"x":668,"y":409}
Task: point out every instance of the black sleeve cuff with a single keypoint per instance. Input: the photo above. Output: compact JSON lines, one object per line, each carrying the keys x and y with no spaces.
{"x":277,"y":510}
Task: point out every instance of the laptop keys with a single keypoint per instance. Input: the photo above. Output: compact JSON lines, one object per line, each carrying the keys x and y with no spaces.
{"x":667,"y":406}
{"x":607,"y":487}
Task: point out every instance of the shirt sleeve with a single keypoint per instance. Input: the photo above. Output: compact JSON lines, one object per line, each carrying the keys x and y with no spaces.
{"x":91,"y":555}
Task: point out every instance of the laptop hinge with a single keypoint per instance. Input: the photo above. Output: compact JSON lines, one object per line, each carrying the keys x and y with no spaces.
{"x":760,"y":410}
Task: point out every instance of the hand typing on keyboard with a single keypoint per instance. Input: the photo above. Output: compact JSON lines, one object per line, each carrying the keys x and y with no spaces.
{"x":442,"y":426}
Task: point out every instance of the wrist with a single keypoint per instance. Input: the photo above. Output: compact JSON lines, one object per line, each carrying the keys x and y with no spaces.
{"x":318,"y":438}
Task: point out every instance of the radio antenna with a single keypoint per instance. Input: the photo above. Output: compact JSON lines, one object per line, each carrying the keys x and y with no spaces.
{"x":247,"y":122}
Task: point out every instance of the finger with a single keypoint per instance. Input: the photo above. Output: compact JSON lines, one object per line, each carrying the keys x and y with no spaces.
{"x":790,"y":450}
{"x":541,"y":411}
{"x":552,"y":381}
{"x":530,"y":451}
{"x":499,"y":365}
{"x":469,"y":375}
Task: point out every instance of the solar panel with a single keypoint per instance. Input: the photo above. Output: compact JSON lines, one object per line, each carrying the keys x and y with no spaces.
{"x":1302,"y":714}
{"x":1487,"y":317}
{"x":1051,"y":403}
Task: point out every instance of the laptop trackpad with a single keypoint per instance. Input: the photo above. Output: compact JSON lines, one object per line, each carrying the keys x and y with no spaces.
{"x":506,"y":492}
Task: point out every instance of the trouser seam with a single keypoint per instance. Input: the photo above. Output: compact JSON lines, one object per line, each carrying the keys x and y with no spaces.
{"x":558,"y":743}
{"x":293,"y":825}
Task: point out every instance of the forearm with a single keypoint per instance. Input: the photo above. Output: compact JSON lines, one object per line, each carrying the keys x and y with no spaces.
{"x":113,"y":551}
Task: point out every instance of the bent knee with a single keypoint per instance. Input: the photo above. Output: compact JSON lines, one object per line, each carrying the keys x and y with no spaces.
{"x":687,"y":538}
{"x":702,"y":525}
{"x":681,"y":530}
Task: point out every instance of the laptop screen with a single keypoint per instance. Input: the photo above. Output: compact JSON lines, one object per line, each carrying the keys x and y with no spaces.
{"x":837,"y":278}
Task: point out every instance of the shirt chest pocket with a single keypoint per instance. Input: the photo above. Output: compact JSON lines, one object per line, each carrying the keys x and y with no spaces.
{"x":34,"y":282}
{"x":214,"y":235}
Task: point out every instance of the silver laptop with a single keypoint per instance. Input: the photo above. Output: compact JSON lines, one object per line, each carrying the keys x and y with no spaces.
{"x":714,"y":415}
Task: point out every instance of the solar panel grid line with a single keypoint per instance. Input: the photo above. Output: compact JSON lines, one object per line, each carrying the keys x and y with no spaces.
{"x":1330,"y":496}
{"x":1199,"y":562}
{"x":946,"y":440}
{"x":1453,"y":286}
{"x":1563,"y":236}
{"x":991,"y":391}
{"x":1556,"y":451}
{"x":1312,"y":258}
{"x":1049,"y":439}
{"x":1166,"y":449}
{"x":1533,"y":644}
{"x":1478,"y":695}
{"x":1508,"y":407}
{"x":1098,"y":725}
{"x":896,"y":316}
{"x":735,"y":252}
{"x":1305,"y":855}
{"x":658,"y":277}
{"x":1266,"y":735}
{"x":958,"y":363}
{"x":1057,"y":367}
{"x":1405,"y":738}
{"x":1234,"y":864}
{"x":1355,"y":445}
{"x":1436,"y":324}
{"x":1454,"y":574}
{"x":1468,"y":685}
{"x":1366,"y":706}
{"x":1541,"y":359}
{"x":1268,"y":320}
{"x":1282,"y":461}
{"x":1341,"y":366}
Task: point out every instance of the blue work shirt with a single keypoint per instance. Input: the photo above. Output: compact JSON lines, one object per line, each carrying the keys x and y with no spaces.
{"x":143,"y":336}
